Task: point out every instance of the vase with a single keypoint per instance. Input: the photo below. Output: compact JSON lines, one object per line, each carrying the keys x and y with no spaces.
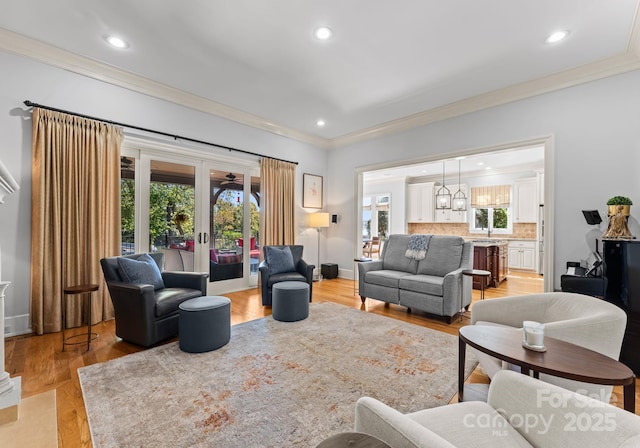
{"x":626,"y":210}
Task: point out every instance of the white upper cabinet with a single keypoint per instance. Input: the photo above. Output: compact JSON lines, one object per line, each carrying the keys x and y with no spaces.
{"x":526,"y":200}
{"x":420,"y":202}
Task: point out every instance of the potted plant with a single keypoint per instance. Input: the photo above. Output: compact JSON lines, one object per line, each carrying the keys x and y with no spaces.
{"x":616,"y":201}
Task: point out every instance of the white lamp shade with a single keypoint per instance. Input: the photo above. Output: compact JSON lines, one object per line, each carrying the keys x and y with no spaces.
{"x":319,"y":220}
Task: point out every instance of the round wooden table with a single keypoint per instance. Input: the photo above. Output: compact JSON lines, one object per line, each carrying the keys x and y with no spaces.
{"x":352,"y":440}
{"x":90,"y":336}
{"x":562,"y":359}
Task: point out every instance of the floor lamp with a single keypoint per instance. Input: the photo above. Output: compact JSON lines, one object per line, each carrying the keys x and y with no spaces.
{"x":319,"y":220}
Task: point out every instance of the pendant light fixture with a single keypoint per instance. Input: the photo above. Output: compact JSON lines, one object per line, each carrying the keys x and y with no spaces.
{"x":443,"y":195}
{"x":459,"y":199}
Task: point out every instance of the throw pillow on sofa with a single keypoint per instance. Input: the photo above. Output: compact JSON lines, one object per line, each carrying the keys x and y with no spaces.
{"x":143,"y":271}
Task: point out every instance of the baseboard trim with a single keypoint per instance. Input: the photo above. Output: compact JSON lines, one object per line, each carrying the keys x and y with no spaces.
{"x":17,"y":325}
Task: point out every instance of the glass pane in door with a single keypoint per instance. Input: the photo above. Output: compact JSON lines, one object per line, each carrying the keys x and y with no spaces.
{"x":127,"y":204}
{"x":227,"y":220}
{"x":255,"y":246}
{"x":172,"y":214}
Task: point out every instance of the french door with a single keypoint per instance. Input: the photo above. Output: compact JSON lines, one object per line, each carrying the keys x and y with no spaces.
{"x":197,"y":210}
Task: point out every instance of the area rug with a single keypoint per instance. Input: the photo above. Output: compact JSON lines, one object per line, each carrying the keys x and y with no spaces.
{"x":275,"y":384}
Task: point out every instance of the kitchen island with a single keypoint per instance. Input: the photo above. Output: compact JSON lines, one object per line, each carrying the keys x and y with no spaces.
{"x":490,"y":255}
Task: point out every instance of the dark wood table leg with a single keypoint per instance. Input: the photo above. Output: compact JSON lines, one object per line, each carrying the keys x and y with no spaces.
{"x":524,"y":370}
{"x":630,"y":397}
{"x":462,"y":349}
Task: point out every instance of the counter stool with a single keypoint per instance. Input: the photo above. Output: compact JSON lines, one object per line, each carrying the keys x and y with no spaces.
{"x":90,"y":336}
{"x":290,"y":301}
{"x":204,"y":324}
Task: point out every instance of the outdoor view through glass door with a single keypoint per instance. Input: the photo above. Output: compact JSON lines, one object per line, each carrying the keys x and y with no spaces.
{"x":196,"y":215}
{"x":172,"y":214}
{"x":232,"y":217}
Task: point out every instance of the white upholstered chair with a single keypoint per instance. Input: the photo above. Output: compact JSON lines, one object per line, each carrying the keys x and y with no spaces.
{"x":520,"y":412}
{"x":579,"y":319}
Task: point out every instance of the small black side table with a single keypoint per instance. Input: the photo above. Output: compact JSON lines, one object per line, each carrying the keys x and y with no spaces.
{"x":478,"y":273}
{"x":355,"y":269}
{"x":74,"y":290}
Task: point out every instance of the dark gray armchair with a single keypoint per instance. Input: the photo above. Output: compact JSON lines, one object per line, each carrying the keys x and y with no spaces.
{"x":277,"y":267}
{"x":146,"y":315}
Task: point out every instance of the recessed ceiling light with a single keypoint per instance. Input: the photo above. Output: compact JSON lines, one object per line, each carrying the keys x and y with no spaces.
{"x":557,"y":36}
{"x":323,"y":33}
{"x":116,"y":42}
{"x":480,"y":163}
{"x":320,"y":123}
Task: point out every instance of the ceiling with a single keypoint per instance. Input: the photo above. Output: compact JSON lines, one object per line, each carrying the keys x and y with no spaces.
{"x":389,"y":66}
{"x":482,"y":164}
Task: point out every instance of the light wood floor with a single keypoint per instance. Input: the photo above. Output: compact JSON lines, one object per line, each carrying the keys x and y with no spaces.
{"x":43,"y":366}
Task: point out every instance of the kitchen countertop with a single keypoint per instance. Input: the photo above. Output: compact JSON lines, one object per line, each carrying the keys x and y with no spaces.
{"x":489,"y":243}
{"x":485,"y":239}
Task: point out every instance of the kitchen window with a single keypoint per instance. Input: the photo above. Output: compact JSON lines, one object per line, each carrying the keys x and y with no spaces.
{"x":496,"y":219}
{"x":491,"y":209}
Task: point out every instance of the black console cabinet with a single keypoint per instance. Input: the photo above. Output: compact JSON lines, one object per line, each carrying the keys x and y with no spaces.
{"x":622,"y":270}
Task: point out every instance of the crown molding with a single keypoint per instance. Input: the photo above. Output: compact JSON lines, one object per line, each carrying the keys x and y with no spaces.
{"x":568,"y":78}
{"x":7,"y":185}
{"x":634,"y":40}
{"x":54,"y":56}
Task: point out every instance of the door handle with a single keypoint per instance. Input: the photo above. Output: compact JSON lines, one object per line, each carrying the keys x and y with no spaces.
{"x":206,"y":238}
{"x":200,"y":238}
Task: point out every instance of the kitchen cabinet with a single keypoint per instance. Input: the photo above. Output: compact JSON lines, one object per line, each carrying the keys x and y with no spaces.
{"x":450,"y":215}
{"x":522,"y":255}
{"x":492,"y":257}
{"x":420,"y":202}
{"x":526,"y":202}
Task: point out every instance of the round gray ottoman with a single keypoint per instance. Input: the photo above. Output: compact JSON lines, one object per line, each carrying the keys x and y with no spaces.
{"x":290,"y":301}
{"x":204,"y":323}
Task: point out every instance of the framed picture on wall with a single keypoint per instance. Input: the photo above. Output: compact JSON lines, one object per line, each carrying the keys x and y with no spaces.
{"x":311,"y":191}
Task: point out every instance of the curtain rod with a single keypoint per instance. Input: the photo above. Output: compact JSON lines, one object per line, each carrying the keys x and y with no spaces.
{"x":166,"y":134}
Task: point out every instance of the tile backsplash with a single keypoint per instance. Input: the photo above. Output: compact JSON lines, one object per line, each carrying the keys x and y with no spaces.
{"x":520,"y":230}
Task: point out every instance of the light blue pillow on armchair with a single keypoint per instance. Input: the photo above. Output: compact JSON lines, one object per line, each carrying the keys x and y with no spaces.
{"x":143,"y":271}
{"x":279,"y":259}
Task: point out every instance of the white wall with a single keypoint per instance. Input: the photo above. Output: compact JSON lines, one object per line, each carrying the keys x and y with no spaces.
{"x":25,"y":79}
{"x":597,"y":154}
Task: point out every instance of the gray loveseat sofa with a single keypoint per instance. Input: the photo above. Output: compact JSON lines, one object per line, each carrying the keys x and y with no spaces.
{"x":434,"y":284}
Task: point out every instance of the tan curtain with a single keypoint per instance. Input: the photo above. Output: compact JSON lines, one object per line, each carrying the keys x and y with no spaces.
{"x":491,"y":196}
{"x":75,"y":211}
{"x":277,"y":221}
